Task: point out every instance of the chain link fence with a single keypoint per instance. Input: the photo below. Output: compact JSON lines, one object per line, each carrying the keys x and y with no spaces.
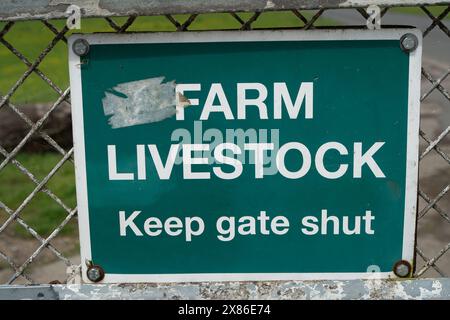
{"x":38,"y":233}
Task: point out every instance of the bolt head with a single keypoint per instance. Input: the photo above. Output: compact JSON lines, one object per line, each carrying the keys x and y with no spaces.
{"x":402,"y":269}
{"x":80,"y":47}
{"x":409,"y":42}
{"x":95,"y":273}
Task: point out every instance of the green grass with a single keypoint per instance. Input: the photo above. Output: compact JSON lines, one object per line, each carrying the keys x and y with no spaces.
{"x":435,"y":10}
{"x":31,"y":37}
{"x":43,"y":214}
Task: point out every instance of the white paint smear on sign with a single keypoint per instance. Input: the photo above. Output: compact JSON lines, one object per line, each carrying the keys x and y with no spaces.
{"x":140,"y":102}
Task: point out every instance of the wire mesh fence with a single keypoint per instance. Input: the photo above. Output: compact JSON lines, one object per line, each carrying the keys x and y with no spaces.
{"x":38,"y":214}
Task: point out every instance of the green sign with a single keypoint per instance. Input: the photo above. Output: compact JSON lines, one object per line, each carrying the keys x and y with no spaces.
{"x":263,"y":155}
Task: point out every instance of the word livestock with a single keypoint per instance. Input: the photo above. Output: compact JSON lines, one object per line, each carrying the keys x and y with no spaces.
{"x":164,"y":168}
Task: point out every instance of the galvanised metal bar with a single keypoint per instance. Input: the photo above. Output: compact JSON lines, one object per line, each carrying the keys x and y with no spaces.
{"x":11,"y":10}
{"x":423,"y":289}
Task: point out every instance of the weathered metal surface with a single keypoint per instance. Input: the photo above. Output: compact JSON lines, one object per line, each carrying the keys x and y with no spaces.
{"x":309,"y":290}
{"x":47,"y":9}
{"x":28,"y":293}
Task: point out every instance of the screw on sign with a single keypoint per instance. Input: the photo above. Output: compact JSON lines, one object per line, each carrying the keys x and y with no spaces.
{"x":80,"y":47}
{"x":402,"y":269}
{"x":95,"y":273}
{"x":409,"y":42}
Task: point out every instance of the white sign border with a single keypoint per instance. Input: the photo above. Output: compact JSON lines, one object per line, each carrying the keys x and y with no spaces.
{"x":237,"y":36}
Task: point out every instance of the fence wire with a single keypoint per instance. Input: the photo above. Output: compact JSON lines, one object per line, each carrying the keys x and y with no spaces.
{"x":433,"y":241}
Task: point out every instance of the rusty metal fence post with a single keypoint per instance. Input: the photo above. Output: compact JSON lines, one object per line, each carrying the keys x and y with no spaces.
{"x":31,"y":19}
